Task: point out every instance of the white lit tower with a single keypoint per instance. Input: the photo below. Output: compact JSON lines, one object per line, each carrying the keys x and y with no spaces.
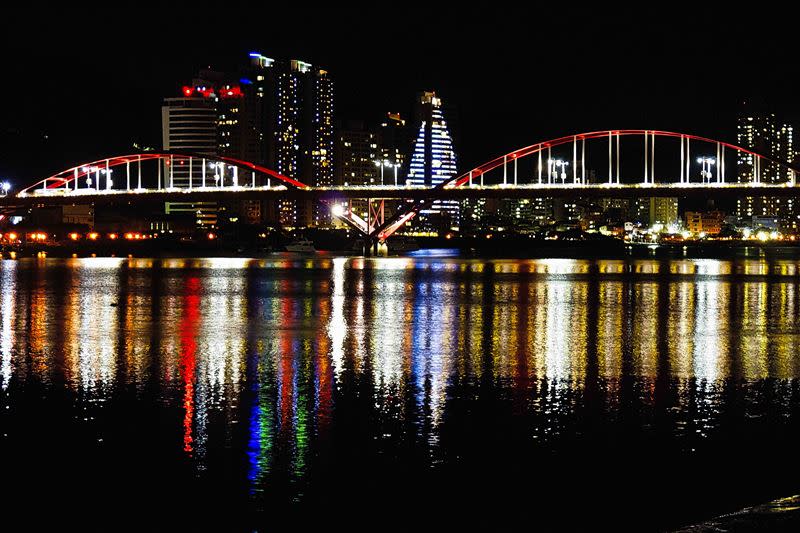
{"x":433,"y":159}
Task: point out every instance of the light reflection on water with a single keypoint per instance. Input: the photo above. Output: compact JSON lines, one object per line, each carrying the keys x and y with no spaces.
{"x":269,"y":359}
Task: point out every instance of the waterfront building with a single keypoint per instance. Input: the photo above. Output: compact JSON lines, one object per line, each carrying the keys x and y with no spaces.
{"x":433,"y":159}
{"x":394,"y":145}
{"x":278,"y":114}
{"x":708,"y":222}
{"x":357,"y":155}
{"x":656,"y":211}
{"x":761,"y":132}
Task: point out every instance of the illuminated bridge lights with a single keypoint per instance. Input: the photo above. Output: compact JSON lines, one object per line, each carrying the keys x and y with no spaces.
{"x":195,"y":171}
{"x":207,"y":175}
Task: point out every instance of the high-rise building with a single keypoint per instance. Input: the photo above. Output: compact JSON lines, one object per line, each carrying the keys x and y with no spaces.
{"x":274,"y":113}
{"x":761,"y":132}
{"x":394,"y":145}
{"x":303,"y":135}
{"x":664,"y":211}
{"x":188,"y":124}
{"x":433,"y":159}
{"x":357,"y":153}
{"x":656,"y":211}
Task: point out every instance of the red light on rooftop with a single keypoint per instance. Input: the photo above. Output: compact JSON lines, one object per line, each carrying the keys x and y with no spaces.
{"x":232,"y":92}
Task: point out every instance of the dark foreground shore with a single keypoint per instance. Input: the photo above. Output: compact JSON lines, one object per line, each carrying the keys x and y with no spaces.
{"x":778,"y":515}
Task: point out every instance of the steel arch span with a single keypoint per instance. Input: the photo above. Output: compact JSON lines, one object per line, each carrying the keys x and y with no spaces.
{"x":175,"y":170}
{"x":545,"y":176}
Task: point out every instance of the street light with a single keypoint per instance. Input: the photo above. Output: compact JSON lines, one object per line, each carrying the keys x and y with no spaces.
{"x":385,"y":163}
{"x":563,"y":165}
{"x":707,"y":163}
{"x":337,"y":210}
{"x":379,"y":165}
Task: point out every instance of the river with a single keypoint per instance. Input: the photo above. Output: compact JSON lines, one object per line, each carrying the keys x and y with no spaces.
{"x":631,"y":394}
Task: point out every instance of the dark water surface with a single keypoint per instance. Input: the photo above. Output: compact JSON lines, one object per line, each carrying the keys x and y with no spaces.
{"x":419,"y":392}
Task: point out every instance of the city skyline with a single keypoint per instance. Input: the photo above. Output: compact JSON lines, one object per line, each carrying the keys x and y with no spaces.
{"x":440,"y":268}
{"x":473,"y":61}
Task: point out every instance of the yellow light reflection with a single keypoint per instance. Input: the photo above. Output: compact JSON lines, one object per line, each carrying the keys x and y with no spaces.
{"x":8,"y":295}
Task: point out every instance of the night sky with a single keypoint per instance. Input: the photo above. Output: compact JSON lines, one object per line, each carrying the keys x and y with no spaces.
{"x":82,"y":84}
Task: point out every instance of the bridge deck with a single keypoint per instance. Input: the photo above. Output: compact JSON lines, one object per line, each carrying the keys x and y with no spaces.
{"x":62,"y":197}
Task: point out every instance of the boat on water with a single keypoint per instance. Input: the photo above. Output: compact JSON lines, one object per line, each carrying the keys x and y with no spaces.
{"x":400,"y":245}
{"x":301,"y":246}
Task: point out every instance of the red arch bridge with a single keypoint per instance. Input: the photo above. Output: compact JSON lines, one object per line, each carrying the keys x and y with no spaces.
{"x":580,"y":165}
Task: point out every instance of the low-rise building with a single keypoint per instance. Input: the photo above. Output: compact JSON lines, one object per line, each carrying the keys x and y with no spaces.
{"x":708,"y":222}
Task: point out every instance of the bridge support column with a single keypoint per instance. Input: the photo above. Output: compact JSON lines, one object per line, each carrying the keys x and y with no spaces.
{"x":688,"y":160}
{"x":574,"y":159}
{"x":652,"y":158}
{"x":367,"y":246}
{"x":583,"y":160}
{"x":646,"y":155}
{"x":515,"y":171}
{"x":539,"y":167}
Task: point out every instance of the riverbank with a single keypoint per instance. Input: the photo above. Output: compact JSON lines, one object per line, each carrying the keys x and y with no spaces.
{"x":778,"y":515}
{"x":512,"y":247}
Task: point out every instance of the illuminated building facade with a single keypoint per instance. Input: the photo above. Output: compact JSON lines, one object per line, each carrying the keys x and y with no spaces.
{"x":274,"y":113}
{"x":394,"y":144}
{"x":762,"y":133}
{"x":433,"y":159}
{"x":652,"y":211}
{"x":303,"y":135}
{"x":708,"y":222}
{"x":356,"y":156}
{"x":357,"y":152}
{"x":664,"y":211}
{"x":189,"y":124}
